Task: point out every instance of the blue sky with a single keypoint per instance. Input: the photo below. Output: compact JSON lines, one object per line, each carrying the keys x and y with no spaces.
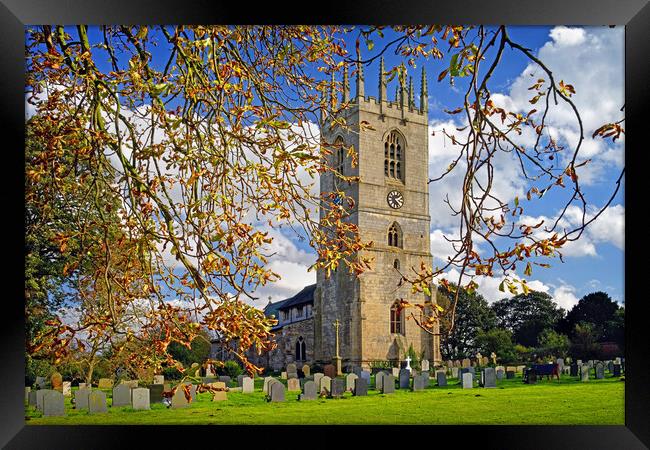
{"x":591,"y":59}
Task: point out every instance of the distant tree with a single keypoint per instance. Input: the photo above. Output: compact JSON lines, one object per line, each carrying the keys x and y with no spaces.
{"x":499,"y":341}
{"x":597,"y":309}
{"x":584,"y":344}
{"x":527,"y":315}
{"x":551,"y":344}
{"x":198,"y":352}
{"x":472,"y":315}
{"x":615,"y":329}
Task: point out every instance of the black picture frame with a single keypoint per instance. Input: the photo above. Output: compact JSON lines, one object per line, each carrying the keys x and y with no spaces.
{"x":633,"y":14}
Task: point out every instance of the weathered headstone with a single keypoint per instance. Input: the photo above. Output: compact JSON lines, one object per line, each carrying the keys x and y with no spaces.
{"x":510,"y":374}
{"x":140,"y":398}
{"x":122,"y":395}
{"x":32,"y":398}
{"x":360,"y":387}
{"x":600,"y":371}
{"x":39,"y":397}
{"x":395,"y":372}
{"x":330,"y":370}
{"x":349,"y":381}
{"x":97,"y":402}
{"x":219,"y":396}
{"x":489,"y":378}
{"x":240,"y":380}
{"x":247,"y":385}
{"x":308,"y":391}
{"x":56,"y":380}
{"x":425,"y":365}
{"x":404,"y":379}
{"x":366,"y":376}
{"x":156,"y":393}
{"x":53,"y":404}
{"x":616,"y":370}
{"x":105,"y":383}
{"x":293,"y":384}
{"x":560,"y":363}
{"x":265,"y":388}
{"x":306,"y":370}
{"x":179,"y":400}
{"x":441,"y":379}
{"x":159,"y":379}
{"x":418,"y":383}
{"x":466,"y":362}
{"x":379,"y":380}
{"x":584,"y":372}
{"x":277,"y":392}
{"x":337,"y":388}
{"x":468,"y":381}
{"x":81,"y":398}
{"x":292,"y":371}
{"x":283,"y":375}
{"x":66,"y":388}
{"x":454,"y":372}
{"x":130,"y":383}
{"x":325,"y":385}
{"x":500,"y":374}
{"x":388,"y":385}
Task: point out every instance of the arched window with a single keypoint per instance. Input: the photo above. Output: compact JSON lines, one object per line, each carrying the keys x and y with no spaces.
{"x":394,"y":156}
{"x":339,"y":161}
{"x":301,"y":350}
{"x":396,"y":264}
{"x":396,"y":319}
{"x":395,"y":236}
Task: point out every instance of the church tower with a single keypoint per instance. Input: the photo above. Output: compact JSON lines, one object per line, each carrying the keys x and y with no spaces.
{"x":391,"y":210}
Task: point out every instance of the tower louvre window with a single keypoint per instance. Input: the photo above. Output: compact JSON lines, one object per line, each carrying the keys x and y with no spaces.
{"x":395,"y":236}
{"x":394,"y":156}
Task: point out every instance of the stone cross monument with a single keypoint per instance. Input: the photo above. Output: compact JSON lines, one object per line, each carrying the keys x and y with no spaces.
{"x":337,"y":358}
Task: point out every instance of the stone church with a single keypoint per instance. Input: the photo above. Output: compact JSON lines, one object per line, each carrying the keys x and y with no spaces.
{"x":392,"y":211}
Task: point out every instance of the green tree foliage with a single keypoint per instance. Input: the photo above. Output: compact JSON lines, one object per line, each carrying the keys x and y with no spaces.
{"x":584,"y":343}
{"x":498,"y":341}
{"x":198,"y":353}
{"x":551,"y":344}
{"x":597,"y":309}
{"x":472,"y":315}
{"x":527,"y":315}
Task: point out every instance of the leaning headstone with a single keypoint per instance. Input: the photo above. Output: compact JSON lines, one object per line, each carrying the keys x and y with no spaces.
{"x":306,"y":370}
{"x":330,"y":370}
{"x":140,"y":398}
{"x":349,"y":381}
{"x":418,"y":383}
{"x":360,"y":387}
{"x":39,"y":397}
{"x":468,"y":381}
{"x":388,"y":385}
{"x":584,"y":373}
{"x":293,"y":384}
{"x":325,"y":385}
{"x":53,"y":404}
{"x":66,"y":388}
{"x":105,"y":383}
{"x":179,"y":400}
{"x":600,"y":371}
{"x":265,"y":388}
{"x":404,"y":379}
{"x":277,"y":392}
{"x":489,"y":378}
{"x":337,"y":388}
{"x":159,"y":379}
{"x":616,"y":370}
{"x":56,"y":380}
{"x":97,"y":402}
{"x":500,"y":374}
{"x":441,"y":379}
{"x":425,"y":365}
{"x":81,"y":398}
{"x":156,"y":393}
{"x":308,"y":391}
{"x":247,"y":385}
{"x":122,"y":395}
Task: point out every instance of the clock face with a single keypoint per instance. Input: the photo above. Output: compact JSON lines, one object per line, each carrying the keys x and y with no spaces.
{"x":395,"y":199}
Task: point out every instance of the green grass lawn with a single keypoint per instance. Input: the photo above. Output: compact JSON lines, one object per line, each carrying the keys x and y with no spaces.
{"x":512,"y":402}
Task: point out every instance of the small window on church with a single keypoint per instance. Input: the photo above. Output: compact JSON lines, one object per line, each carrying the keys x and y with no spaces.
{"x":396,"y":264}
{"x":395,"y":236}
{"x":396,"y":319}
{"x":394,"y":156}
{"x":339,"y":156}
{"x":301,"y":349}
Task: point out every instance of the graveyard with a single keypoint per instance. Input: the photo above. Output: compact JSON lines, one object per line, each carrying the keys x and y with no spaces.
{"x":545,"y":402}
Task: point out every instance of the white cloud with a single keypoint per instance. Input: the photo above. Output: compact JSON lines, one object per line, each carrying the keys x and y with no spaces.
{"x":566,"y":37}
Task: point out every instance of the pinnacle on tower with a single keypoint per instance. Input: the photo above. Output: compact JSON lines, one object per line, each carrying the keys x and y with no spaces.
{"x":345,"y":97}
{"x":360,"y":81}
{"x":332,"y":93}
{"x":424,"y":94}
{"x":411,"y":96}
{"x":382,"y":81}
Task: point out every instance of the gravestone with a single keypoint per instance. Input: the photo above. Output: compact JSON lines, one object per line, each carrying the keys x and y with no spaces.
{"x":156,"y":393}
{"x":159,"y":379}
{"x":337,"y":388}
{"x":388,"y":384}
{"x":219,"y":396}
{"x":308,"y":391}
{"x":32,"y":398}
{"x":97,"y":402}
{"x":610,"y":366}
{"x":325,"y":385}
{"x":418,"y":383}
{"x":349,"y":381}
{"x":306,"y":370}
{"x":395,"y":372}
{"x":283,"y":375}
{"x":267,"y":380}
{"x":330,"y":371}
{"x":441,"y":378}
{"x":600,"y":371}
{"x":39,"y":397}
{"x":454,"y":372}
{"x":584,"y":373}
{"x":66,"y":388}
{"x":425,"y":377}
{"x":404,"y":379}
{"x":573,"y":370}
{"x":590,"y":363}
{"x":85,"y":385}
{"x":56,"y":380}
{"x":179,"y":400}
{"x":317,"y":377}
{"x":500,"y":374}
{"x":560,"y":363}
{"x":425,"y":365}
{"x":293,"y":384}
{"x":360,"y":387}
{"x":489,"y":378}
{"x":224,"y":379}
{"x":510,"y":374}
{"x":292,"y":371}
{"x":247,"y":386}
{"x":467,"y":362}
{"x":40,"y":382}
{"x":468,"y":381}
{"x":379,"y":380}
{"x":277,"y":392}
{"x":53,"y":404}
{"x":240,"y":380}
{"x":617,"y":370}
{"x":140,"y":398}
{"x":81,"y":398}
{"x":472,"y":370}
{"x":366,"y":376}
{"x":122,"y":395}
{"x":130,"y":383}
{"x":105,"y":383}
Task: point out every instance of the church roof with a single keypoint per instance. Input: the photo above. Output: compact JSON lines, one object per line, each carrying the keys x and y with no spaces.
{"x":301,"y":298}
